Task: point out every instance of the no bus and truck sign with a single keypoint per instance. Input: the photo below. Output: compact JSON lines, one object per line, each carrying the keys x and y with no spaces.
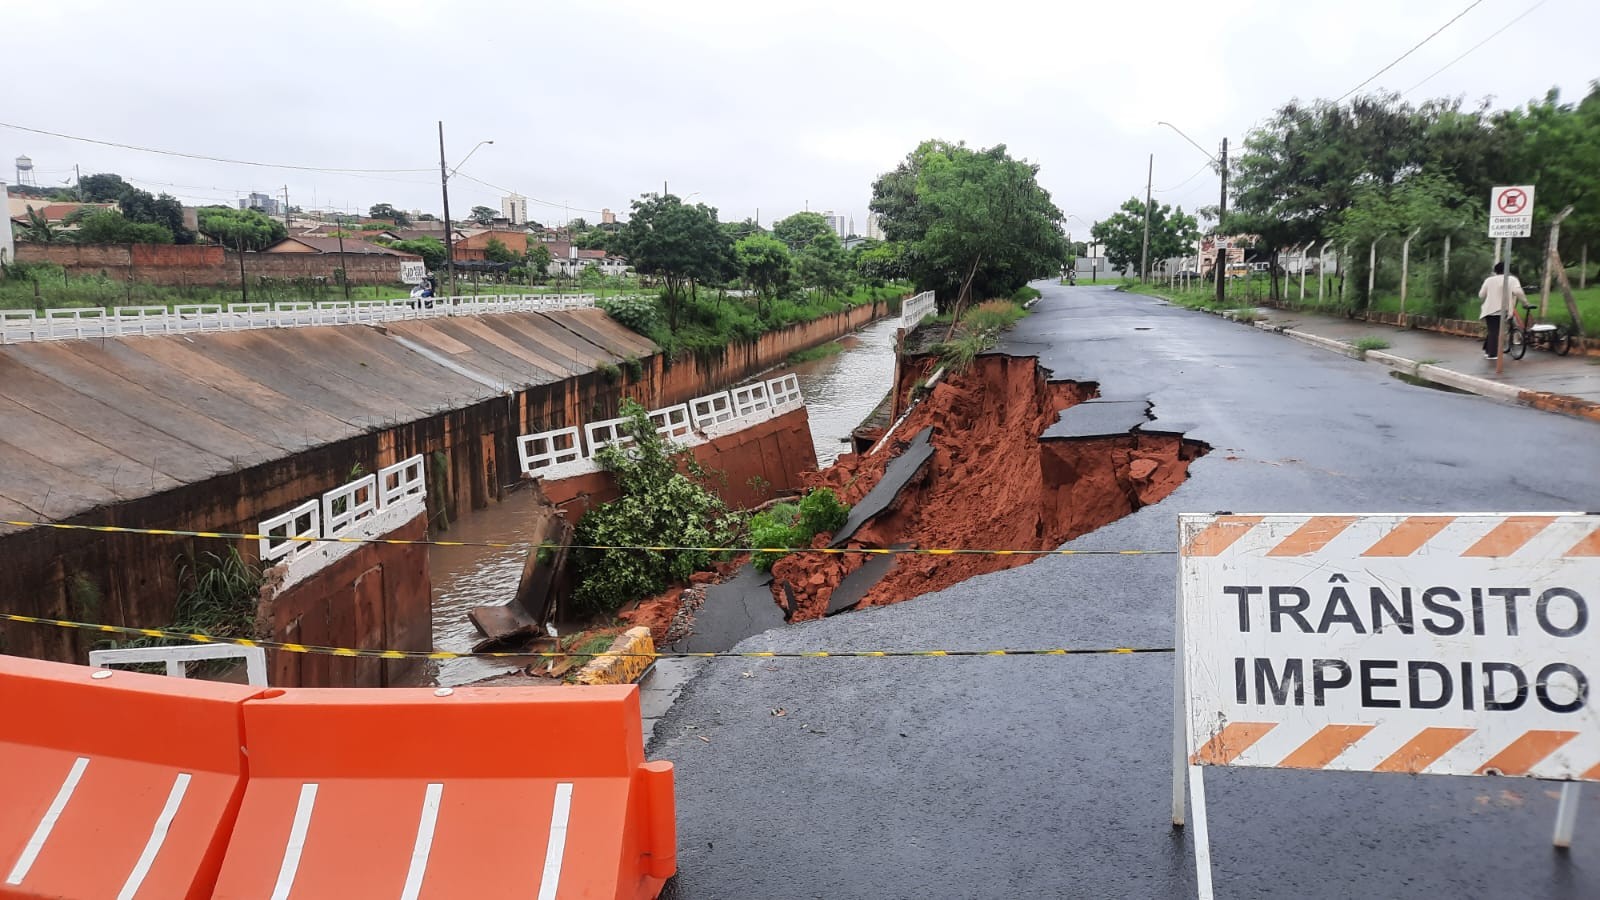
{"x":1439,"y":644}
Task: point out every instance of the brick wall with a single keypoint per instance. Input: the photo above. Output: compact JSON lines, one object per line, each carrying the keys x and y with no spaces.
{"x":195,"y":264}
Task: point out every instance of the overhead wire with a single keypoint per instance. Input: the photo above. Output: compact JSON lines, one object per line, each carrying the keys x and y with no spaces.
{"x":198,"y":156}
{"x":503,"y":190}
{"x":1414,"y":49}
{"x":1492,"y":35}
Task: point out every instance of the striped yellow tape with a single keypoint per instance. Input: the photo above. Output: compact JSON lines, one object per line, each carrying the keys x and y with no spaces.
{"x":451,"y":654}
{"x":521,"y":545}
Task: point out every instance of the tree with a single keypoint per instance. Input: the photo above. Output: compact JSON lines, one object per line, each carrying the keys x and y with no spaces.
{"x":877,"y":262}
{"x":483,"y":215}
{"x":103,"y":187}
{"x":107,"y":227}
{"x":38,"y":230}
{"x":763,"y":261}
{"x":680,"y":243}
{"x":431,"y":249}
{"x":497,"y":251}
{"x":387,"y":211}
{"x":971,"y":221}
{"x":539,"y":259}
{"x":823,"y":265}
{"x":593,"y":239}
{"x":577,"y":226}
{"x":801,"y":229}
{"x":1171,"y":234}
{"x":141,"y":207}
{"x":240,"y":229}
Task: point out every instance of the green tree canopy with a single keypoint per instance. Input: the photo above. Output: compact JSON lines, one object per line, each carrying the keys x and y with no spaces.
{"x":103,"y":187}
{"x":822,"y":264}
{"x":107,"y":227}
{"x":497,"y":251}
{"x":763,"y":261}
{"x":1172,"y":233}
{"x":972,"y":222}
{"x":593,"y":239}
{"x":682,"y":244}
{"x":387,"y":211}
{"x":431,"y":249}
{"x":801,"y":229}
{"x":482,"y":215}
{"x":141,"y":207}
{"x":240,"y":228}
{"x":539,"y":259}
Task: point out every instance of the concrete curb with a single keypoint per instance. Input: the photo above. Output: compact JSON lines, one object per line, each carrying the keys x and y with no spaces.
{"x":1483,"y":387}
{"x":624,"y":663}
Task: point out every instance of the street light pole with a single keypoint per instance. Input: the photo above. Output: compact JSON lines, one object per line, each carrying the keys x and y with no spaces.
{"x":1219,"y":273}
{"x":1144,"y":252}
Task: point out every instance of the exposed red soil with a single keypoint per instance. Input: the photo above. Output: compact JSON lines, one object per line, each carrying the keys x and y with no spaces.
{"x":992,"y":484}
{"x":660,"y":613}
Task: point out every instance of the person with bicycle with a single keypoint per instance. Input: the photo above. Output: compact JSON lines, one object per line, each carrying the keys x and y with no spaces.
{"x":1492,"y":293}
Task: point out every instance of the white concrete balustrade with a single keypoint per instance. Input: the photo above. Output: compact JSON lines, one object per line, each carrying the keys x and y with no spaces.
{"x":21,"y":325}
{"x":365,"y":508}
{"x":913,"y":311}
{"x":560,"y":454}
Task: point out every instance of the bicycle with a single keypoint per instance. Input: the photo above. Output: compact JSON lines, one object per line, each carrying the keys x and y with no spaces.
{"x":1521,"y":331}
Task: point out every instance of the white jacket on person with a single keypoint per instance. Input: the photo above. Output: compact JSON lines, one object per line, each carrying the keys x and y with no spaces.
{"x":1492,"y":293}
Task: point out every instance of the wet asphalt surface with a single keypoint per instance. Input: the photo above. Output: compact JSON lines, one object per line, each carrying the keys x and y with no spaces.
{"x":1050,"y":776}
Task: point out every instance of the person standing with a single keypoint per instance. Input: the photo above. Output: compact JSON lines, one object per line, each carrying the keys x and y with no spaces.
{"x":1494,"y":300}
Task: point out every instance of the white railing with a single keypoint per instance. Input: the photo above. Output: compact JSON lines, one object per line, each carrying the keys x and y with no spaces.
{"x":913,"y":311}
{"x":340,"y":512}
{"x":21,"y":325}
{"x":560,"y":454}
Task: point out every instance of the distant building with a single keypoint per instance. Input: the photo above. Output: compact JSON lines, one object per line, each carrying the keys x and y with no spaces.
{"x":514,"y":209}
{"x":264,"y":202}
{"x":8,"y":250}
{"x":874,"y":227}
{"x":607,"y":217}
{"x":837,"y":223}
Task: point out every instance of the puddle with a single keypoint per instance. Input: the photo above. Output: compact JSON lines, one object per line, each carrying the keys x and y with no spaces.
{"x":1409,"y":378}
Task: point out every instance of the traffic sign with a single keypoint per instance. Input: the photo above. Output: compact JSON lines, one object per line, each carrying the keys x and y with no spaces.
{"x":1511,"y":211}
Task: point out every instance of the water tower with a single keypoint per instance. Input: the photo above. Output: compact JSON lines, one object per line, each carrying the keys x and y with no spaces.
{"x":25,"y":172}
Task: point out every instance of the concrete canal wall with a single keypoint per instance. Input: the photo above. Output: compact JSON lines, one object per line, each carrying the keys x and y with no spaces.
{"x":215,"y":432}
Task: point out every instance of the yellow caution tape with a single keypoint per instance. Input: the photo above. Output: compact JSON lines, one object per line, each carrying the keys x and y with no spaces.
{"x":552,"y":654}
{"x":527,"y":545}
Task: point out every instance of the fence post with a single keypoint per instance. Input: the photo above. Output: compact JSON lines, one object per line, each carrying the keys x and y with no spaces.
{"x":1372,"y":270}
{"x":1551,"y":257}
{"x":1405,"y":271}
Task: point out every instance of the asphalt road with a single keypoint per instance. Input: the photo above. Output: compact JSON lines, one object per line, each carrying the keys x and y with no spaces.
{"x":1050,"y":776}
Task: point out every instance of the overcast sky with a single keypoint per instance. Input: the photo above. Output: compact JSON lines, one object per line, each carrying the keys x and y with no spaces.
{"x":741,"y":105}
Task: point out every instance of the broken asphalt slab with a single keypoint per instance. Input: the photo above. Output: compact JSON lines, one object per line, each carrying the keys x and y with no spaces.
{"x":896,"y":476}
{"x":734,"y":610}
{"x":1098,"y":418}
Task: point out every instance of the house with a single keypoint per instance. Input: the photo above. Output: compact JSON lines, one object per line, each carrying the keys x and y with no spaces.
{"x":53,"y":213}
{"x":515,"y":240}
{"x":351,"y":246}
{"x":573,"y":261}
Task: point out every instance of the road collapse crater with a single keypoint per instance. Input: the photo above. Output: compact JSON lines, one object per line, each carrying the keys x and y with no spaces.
{"x":997,"y":457}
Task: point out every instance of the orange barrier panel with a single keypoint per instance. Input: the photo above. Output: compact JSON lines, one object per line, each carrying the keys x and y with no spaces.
{"x":475,"y":792}
{"x":115,"y":784}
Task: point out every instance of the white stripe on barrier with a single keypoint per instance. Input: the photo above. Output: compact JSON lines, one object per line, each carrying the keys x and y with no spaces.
{"x":48,"y":822}
{"x":557,"y":848}
{"x":297,"y":842}
{"x":158,"y":836}
{"x":424,"y":844}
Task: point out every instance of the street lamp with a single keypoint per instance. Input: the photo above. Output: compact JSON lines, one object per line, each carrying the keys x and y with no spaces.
{"x":444,"y":186}
{"x":1090,"y":245}
{"x":1220,"y":272}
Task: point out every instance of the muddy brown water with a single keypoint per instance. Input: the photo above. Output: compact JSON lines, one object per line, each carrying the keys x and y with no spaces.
{"x":840,"y":391}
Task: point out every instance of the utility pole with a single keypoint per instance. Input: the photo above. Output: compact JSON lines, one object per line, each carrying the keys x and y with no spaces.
{"x":1144,"y":253}
{"x":1221,"y":271}
{"x":286,"y":207}
{"x":344,"y":269}
{"x":444,"y":186}
{"x":77,"y":181}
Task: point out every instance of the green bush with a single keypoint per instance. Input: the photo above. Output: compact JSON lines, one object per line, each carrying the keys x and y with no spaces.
{"x":1025,"y":293}
{"x":636,"y":312}
{"x":794,"y":525}
{"x":663,"y":502}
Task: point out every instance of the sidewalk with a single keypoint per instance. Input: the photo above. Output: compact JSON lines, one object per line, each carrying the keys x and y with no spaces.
{"x":1567,"y":384}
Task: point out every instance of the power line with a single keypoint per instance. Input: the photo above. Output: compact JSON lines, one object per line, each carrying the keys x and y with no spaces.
{"x":502,"y":190}
{"x":1185,"y":181}
{"x":1414,"y":49}
{"x":236,"y":162}
{"x":1492,"y":35}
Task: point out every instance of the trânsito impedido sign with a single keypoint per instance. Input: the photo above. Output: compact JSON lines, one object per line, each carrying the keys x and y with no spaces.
{"x":1442,"y":644}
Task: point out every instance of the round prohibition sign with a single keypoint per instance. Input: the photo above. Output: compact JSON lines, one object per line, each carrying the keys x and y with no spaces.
{"x":1512,"y":201}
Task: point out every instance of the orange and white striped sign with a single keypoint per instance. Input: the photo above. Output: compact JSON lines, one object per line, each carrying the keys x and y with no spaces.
{"x":1461,"y":644}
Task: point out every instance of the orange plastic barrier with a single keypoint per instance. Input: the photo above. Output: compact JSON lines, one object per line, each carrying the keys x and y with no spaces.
{"x":115,"y":784}
{"x":475,"y":792}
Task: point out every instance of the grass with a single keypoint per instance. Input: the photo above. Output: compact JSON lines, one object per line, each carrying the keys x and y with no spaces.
{"x":1025,"y":293}
{"x":1200,"y":295}
{"x":708,"y":322}
{"x":978,"y":332}
{"x":822,"y":351}
{"x":1370,"y":342}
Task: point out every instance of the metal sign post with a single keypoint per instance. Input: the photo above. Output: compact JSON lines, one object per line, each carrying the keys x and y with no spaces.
{"x":1510,"y":216}
{"x":1441,"y":644}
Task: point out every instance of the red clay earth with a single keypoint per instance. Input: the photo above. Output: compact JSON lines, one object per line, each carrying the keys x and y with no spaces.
{"x":992,"y":484}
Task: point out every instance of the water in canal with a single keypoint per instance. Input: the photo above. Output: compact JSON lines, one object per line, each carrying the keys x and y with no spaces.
{"x":840,"y":391}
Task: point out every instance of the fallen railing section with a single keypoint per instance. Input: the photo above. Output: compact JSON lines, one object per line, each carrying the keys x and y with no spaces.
{"x":566,"y":452}
{"x":73,"y":323}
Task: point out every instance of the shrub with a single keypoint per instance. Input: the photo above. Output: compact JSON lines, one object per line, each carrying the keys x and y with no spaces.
{"x":662,"y":502}
{"x":1025,"y":293}
{"x":637,"y":312}
{"x":992,"y":316}
{"x":794,"y":525}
